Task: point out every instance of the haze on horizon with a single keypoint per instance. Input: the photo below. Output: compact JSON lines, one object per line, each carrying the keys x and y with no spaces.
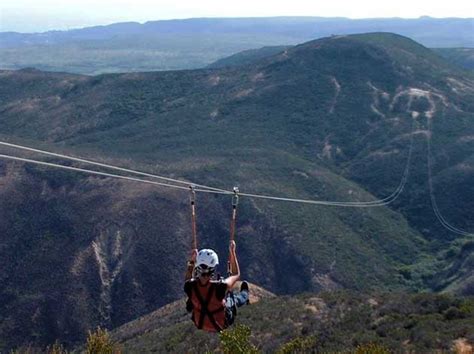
{"x":39,"y":16}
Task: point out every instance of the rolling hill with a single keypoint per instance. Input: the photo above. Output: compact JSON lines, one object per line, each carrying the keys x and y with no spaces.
{"x":332,"y":119}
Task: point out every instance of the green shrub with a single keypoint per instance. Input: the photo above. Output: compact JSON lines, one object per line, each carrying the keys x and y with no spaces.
{"x":467,"y":306}
{"x":453,"y":313}
{"x":237,"y":341}
{"x":99,"y":342}
{"x":298,"y":345}
{"x":371,"y":348}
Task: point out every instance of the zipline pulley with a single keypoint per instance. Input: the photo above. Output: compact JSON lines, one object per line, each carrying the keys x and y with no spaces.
{"x":235,"y":198}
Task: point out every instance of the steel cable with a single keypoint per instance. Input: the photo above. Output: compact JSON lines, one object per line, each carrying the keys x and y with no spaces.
{"x":77,"y":159}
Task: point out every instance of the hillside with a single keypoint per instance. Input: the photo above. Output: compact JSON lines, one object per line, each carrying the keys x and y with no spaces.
{"x":463,"y":57}
{"x":247,"y":57}
{"x":196,"y":43}
{"x":329,"y":322}
{"x":332,"y":119}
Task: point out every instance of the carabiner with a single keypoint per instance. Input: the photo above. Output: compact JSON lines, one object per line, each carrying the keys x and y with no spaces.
{"x":192,"y":189}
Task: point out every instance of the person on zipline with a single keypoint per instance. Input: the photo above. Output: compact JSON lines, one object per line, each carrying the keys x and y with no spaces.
{"x":211,"y":301}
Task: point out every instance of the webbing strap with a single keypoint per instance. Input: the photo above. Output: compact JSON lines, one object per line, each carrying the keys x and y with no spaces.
{"x":193,"y":216}
{"x":235,"y":203}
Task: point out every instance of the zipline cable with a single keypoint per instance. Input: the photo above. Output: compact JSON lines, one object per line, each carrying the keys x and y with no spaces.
{"x":434,"y":204}
{"x":77,"y":159}
{"x":379,"y":202}
{"x":105,"y":174}
{"x":375,"y":203}
{"x":206,"y":189}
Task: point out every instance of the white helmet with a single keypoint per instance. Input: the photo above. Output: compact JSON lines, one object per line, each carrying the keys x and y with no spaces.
{"x":207,"y":260}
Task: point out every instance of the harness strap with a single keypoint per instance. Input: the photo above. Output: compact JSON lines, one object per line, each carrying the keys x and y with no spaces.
{"x":193,"y":215}
{"x":205,"y":308}
{"x":235,"y":202}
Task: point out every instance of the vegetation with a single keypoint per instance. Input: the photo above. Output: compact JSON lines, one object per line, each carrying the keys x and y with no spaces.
{"x":247,"y":57}
{"x":236,"y":340}
{"x":99,"y":342}
{"x":332,"y":322}
{"x":371,"y":348}
{"x":56,"y":348}
{"x":298,"y":345}
{"x":463,"y":57}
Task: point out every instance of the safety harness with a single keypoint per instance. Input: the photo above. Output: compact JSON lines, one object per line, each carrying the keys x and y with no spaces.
{"x":215,"y":317}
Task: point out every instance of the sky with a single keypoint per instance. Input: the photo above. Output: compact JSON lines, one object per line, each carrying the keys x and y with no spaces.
{"x":43,"y":15}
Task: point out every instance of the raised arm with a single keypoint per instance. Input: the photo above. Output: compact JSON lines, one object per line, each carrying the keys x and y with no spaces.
{"x":190,"y":265}
{"x":234,"y":266}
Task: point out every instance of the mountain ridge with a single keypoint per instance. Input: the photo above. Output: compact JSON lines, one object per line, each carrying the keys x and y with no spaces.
{"x":196,"y":43}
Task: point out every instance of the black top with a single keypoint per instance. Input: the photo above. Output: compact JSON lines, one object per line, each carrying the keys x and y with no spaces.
{"x":220,"y":287}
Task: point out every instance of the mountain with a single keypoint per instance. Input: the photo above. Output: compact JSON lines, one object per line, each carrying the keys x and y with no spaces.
{"x":335,"y":119}
{"x":196,"y":43}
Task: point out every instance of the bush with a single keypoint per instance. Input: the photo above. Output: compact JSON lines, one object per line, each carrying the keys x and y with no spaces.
{"x":371,"y":348}
{"x":467,"y":306}
{"x":298,"y":345}
{"x":99,"y":342}
{"x":453,"y":313}
{"x":237,"y":341}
